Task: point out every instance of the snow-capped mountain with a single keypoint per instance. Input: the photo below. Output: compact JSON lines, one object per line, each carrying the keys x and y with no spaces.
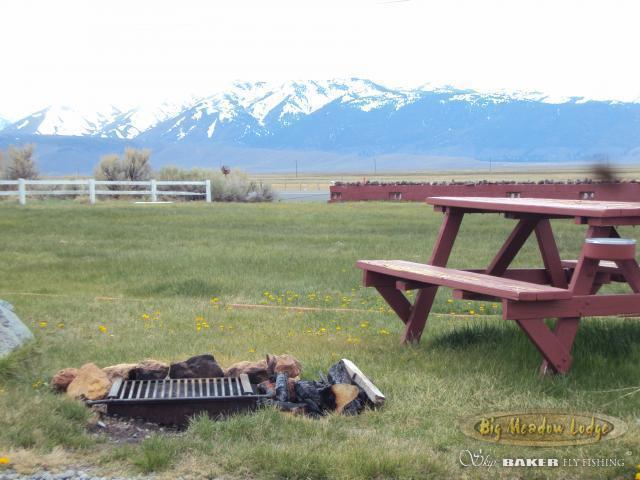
{"x":348,"y":121}
{"x":64,"y":120}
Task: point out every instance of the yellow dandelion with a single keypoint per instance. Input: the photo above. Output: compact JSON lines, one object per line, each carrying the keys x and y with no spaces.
{"x":338,"y":328}
{"x":145,"y":316}
{"x":102,"y":329}
{"x":215,"y":300}
{"x":60,"y":325}
{"x":4,"y":461}
{"x":449,"y":301}
{"x":472,"y":312}
{"x":43,"y":324}
{"x":364,"y":325}
{"x":251,"y":350}
{"x":382,"y":331}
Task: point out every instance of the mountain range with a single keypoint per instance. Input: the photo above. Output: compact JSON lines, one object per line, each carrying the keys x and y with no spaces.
{"x":336,"y":125}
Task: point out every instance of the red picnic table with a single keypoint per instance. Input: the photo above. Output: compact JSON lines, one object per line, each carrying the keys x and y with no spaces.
{"x":562,"y":289}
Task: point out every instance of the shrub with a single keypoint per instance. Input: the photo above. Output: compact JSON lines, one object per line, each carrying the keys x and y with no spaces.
{"x":21,"y":163}
{"x":234,"y":186}
{"x":136,"y":164}
{"x":109,"y":168}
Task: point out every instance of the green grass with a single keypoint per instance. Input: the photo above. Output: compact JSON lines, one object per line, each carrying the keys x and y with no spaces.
{"x":69,"y":269}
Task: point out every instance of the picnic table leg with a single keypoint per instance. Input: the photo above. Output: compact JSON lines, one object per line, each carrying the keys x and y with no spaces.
{"x":583,"y":283}
{"x":439,"y":257}
{"x":512,"y":246}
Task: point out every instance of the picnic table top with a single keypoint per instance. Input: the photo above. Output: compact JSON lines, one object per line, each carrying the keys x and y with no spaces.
{"x":542,"y":206}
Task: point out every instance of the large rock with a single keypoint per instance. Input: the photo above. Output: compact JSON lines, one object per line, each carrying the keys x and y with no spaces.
{"x":257,"y":371}
{"x":200,"y":366}
{"x":121,"y":370}
{"x":149,"y":370}
{"x":13,"y":332}
{"x":288,"y":364}
{"x":91,"y":383}
{"x":63,"y":378}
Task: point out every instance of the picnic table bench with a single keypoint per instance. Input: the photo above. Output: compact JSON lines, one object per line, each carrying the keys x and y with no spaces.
{"x":562,"y":289}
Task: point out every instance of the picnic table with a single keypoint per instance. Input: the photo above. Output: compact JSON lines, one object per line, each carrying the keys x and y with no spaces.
{"x":562,"y":289}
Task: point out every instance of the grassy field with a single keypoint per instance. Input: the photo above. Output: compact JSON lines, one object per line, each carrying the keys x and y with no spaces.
{"x":321,"y":182}
{"x":149,"y":274}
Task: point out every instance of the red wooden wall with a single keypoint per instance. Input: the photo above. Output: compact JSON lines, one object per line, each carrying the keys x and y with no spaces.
{"x":620,"y":191}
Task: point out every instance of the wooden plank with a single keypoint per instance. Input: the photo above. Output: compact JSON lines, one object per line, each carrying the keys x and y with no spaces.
{"x":246,"y":384}
{"x":447,"y":234}
{"x":462,"y":280}
{"x":551,"y":348}
{"x":606,"y":266}
{"x":512,"y":246}
{"x":578,"y":306}
{"x":360,"y":379}
{"x":543,"y":206}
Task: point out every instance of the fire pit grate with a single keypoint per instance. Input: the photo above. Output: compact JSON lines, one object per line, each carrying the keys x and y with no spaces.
{"x":173,"y":401}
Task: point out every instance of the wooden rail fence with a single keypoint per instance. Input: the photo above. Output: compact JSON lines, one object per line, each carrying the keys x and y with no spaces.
{"x":93,"y":188}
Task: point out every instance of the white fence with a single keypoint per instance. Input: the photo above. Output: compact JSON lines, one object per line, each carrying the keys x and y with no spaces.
{"x":93,"y":188}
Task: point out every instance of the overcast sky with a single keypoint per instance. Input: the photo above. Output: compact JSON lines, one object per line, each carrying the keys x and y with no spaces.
{"x":88,"y":53}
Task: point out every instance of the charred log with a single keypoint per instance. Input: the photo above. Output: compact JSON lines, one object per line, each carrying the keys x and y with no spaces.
{"x":282,"y":387}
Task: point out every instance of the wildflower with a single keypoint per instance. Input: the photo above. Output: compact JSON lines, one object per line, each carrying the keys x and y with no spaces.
{"x":495,"y":305}
{"x":449,"y":301}
{"x":338,"y":328}
{"x":4,"y":461}
{"x":472,"y":312}
{"x":199,"y":318}
{"x":145,"y":316}
{"x":43,"y":324}
{"x":60,"y":325}
{"x":215,"y":300}
{"x":102,"y":328}
{"x":382,"y":331}
{"x":364,"y":325}
{"x":252,"y":350}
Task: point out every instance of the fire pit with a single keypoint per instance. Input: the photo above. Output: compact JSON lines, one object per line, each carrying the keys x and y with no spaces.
{"x":173,"y":401}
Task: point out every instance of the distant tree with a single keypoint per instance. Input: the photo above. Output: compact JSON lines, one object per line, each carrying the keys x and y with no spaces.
{"x":225,"y":170}
{"x":136,"y":164}
{"x":109,"y":168}
{"x":2,"y":173}
{"x":21,"y":163}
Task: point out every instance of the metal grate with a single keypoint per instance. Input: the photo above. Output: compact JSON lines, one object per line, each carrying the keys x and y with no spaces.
{"x":180,"y":389}
{"x":174,"y":401}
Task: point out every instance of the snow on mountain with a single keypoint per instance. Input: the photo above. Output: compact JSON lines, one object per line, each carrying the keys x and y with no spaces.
{"x":65,"y":120}
{"x":134,"y":121}
{"x":3,"y":122}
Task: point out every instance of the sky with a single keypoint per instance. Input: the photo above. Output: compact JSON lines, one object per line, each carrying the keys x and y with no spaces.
{"x":128,"y":52}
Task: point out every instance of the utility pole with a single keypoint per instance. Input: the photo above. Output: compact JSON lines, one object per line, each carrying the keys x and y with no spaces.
{"x":296,"y":168}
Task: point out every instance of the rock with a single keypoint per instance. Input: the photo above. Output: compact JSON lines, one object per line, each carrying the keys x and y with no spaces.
{"x":149,"y":370}
{"x":257,"y":371}
{"x":200,"y":366}
{"x":13,"y":333}
{"x":288,"y":364}
{"x":121,"y":370}
{"x":91,"y":383}
{"x":63,"y":378}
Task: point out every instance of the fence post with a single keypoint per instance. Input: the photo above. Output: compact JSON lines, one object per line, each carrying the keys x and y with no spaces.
{"x":92,"y":191}
{"x":207,"y":184}
{"x":154,"y":191}
{"x":22,"y":192}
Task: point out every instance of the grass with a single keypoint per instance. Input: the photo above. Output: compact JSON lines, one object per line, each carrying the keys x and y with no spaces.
{"x":160,"y":281}
{"x":526,"y":172}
